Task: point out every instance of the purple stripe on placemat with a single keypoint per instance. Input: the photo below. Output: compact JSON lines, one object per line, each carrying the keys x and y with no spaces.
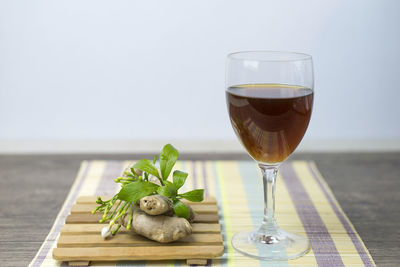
{"x":353,"y":236}
{"x":194,"y":174}
{"x":324,"y":248}
{"x":107,"y":186}
{"x":205,"y":178}
{"x":61,"y":219}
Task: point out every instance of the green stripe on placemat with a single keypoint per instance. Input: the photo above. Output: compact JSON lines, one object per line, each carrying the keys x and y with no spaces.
{"x":305,"y":205}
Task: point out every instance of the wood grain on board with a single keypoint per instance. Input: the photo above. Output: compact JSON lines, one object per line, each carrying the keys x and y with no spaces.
{"x":80,"y":240}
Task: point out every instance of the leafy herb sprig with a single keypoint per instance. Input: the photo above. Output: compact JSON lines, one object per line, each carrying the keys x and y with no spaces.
{"x":135,"y":185}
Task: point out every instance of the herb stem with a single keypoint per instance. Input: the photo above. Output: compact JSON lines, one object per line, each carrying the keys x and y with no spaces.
{"x":121,"y":211}
{"x":116,"y":229}
{"x":130,"y":218}
{"x":116,"y":208}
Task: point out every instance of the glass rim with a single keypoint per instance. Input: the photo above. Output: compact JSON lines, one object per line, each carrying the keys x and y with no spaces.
{"x":257,"y":55}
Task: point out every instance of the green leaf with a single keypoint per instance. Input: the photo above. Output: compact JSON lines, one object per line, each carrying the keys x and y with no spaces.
{"x":155,"y":159}
{"x":168,"y":190}
{"x":164,"y":191}
{"x":181,"y":210}
{"x":196,"y":195}
{"x":147,"y":166}
{"x":136,"y":190}
{"x":133,"y":173}
{"x":179,"y":178}
{"x":168,"y":158}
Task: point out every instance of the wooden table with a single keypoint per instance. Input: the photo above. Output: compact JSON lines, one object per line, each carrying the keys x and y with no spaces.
{"x":33,"y":188}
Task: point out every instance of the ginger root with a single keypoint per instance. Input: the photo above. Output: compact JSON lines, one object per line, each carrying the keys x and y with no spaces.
{"x":154,"y":218}
{"x":160,"y":228}
{"x":157,"y":204}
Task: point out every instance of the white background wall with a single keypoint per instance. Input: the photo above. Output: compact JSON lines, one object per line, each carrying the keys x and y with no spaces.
{"x":134,"y":70}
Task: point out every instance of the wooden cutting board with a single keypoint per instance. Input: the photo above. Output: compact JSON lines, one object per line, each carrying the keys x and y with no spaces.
{"x":80,"y":241}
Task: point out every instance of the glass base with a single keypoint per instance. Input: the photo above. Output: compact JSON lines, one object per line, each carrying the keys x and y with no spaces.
{"x":278,"y":246}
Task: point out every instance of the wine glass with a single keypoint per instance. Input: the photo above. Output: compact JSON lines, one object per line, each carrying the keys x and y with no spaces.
{"x":270,"y":98}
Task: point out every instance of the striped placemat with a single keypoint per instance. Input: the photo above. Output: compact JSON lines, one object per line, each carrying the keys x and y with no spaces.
{"x":305,"y":205}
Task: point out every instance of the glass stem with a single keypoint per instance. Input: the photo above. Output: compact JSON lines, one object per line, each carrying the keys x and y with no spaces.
{"x":269,"y":225}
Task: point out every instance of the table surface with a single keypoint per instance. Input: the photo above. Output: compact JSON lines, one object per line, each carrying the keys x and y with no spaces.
{"x":33,"y":188}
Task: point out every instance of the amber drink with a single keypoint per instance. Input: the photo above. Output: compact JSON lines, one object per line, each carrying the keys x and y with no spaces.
{"x":269,"y":119}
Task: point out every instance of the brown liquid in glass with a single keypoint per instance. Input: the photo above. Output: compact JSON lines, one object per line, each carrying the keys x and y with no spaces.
{"x":269,"y":119}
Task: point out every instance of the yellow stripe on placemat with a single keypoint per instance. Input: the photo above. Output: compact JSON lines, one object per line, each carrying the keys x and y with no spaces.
{"x":235,"y":204}
{"x":238,"y":188}
{"x":92,"y":178}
